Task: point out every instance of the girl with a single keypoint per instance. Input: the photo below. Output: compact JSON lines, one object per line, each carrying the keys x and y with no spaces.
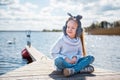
{"x":67,"y":51}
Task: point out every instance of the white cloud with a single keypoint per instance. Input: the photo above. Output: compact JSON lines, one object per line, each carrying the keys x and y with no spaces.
{"x":6,"y":2}
{"x":46,"y":11}
{"x":55,"y":14}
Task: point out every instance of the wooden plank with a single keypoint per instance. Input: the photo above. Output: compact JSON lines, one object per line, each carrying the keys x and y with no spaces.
{"x":35,"y":54}
{"x":43,"y":69}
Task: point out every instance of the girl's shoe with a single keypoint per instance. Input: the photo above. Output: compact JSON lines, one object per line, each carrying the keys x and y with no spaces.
{"x":68,"y":72}
{"x":88,"y":69}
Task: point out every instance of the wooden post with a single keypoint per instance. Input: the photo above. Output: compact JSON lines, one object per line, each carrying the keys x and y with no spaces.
{"x":83,"y":44}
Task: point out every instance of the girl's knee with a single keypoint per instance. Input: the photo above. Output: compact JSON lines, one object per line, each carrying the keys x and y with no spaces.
{"x":58,"y":61}
{"x":91,"y":58}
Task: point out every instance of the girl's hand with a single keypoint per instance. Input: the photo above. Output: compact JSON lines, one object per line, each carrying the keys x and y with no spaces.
{"x":67,"y":60}
{"x":74,"y":60}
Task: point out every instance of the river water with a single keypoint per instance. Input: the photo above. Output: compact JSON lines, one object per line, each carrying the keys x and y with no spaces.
{"x":105,"y":49}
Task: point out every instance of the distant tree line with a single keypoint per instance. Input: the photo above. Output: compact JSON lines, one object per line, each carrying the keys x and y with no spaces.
{"x":103,"y":24}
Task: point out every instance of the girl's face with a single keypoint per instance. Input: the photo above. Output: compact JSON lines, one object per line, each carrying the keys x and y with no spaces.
{"x":71,"y":28}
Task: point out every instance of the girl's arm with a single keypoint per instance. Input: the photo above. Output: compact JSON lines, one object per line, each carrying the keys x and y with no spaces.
{"x":55,"y":50}
{"x":83,"y":44}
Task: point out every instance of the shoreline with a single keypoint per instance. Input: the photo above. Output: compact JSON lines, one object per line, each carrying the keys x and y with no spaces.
{"x":101,"y":31}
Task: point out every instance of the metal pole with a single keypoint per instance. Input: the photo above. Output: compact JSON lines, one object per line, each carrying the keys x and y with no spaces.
{"x":28,"y":38}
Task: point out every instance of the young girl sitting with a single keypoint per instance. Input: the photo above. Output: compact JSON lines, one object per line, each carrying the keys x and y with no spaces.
{"x":68,"y":50}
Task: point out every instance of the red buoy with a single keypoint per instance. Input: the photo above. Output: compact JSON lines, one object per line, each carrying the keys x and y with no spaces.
{"x":25,"y":55}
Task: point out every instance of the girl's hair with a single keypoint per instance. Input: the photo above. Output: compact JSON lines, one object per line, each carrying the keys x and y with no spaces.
{"x":77,"y":20}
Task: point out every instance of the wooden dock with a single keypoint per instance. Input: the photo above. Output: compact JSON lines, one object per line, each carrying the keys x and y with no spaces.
{"x":43,"y":69}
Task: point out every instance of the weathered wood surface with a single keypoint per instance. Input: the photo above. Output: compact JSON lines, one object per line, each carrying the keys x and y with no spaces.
{"x":43,"y":69}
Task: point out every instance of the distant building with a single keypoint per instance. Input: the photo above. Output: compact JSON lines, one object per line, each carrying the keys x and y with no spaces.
{"x":105,"y":24}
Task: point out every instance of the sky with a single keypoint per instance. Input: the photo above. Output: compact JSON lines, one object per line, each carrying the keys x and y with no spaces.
{"x":52,"y":14}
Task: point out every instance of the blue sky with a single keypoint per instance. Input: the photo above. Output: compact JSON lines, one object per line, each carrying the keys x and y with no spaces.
{"x":52,"y":14}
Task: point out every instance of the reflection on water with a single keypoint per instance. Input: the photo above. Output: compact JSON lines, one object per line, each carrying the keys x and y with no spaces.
{"x":104,"y":48}
{"x":106,"y":51}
